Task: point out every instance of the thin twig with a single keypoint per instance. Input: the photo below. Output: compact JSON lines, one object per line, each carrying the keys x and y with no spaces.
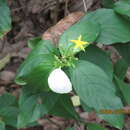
{"x":85,"y":6}
{"x":66,"y":11}
{"x":3,"y":41}
{"x":56,"y":11}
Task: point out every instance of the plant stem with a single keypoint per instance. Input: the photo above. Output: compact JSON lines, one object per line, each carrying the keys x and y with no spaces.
{"x":85,"y":7}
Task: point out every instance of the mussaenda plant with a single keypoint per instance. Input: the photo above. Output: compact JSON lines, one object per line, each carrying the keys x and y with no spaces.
{"x":79,"y":72}
{"x":76,"y":67}
{"x":58,"y":81}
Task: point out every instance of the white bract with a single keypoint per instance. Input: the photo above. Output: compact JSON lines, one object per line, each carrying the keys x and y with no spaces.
{"x":59,"y":82}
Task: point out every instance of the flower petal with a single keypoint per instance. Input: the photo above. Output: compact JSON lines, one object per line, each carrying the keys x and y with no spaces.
{"x":59,"y":82}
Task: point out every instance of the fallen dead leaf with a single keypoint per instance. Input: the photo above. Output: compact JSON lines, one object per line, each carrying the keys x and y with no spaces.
{"x":78,"y":126}
{"x":2,"y":90}
{"x":127,"y":123}
{"x":4,"y":61}
{"x":47,"y":125}
{"x":16,"y":93}
{"x":57,"y":30}
{"x":24,"y":52}
{"x":90,"y":117}
{"x":7,"y":77}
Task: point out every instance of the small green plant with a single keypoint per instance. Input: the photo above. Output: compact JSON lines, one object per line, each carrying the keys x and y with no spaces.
{"x":77,"y":66}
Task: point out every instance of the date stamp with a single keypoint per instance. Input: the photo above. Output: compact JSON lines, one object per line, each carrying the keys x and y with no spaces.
{"x":118,"y":111}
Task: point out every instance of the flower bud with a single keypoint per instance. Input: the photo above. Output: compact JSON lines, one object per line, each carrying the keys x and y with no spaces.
{"x":59,"y":82}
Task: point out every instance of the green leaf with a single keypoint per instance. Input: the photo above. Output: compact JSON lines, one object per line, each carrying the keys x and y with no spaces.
{"x":5,"y":19}
{"x":94,"y":126}
{"x":69,"y":129}
{"x":108,"y":3}
{"x":99,"y":57}
{"x":7,"y":100}
{"x":9,"y":115}
{"x":26,"y":92}
{"x":124,"y":88}
{"x":43,"y":47}
{"x":30,"y":111}
{"x":33,"y":106}
{"x":88,"y":30}
{"x":86,"y":107}
{"x":96,"y":90}
{"x":114,"y":31}
{"x":120,"y":69}
{"x":33,"y":42}
{"x":124,"y":51}
{"x":8,"y":110}
{"x":2,"y":125}
{"x":35,"y":72}
{"x":33,"y":124}
{"x":62,"y":105}
{"x":123,"y":7}
{"x":36,"y":68}
{"x":10,"y":128}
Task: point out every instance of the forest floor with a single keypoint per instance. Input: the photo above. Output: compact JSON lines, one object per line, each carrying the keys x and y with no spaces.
{"x":31,"y":18}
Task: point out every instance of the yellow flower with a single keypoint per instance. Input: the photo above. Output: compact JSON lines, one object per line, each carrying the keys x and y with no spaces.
{"x":79,"y":43}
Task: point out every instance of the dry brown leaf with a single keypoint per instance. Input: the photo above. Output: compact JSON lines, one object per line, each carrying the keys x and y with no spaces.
{"x":55,"y":31}
{"x":24,"y":52}
{"x":2,"y":90}
{"x":90,"y":117}
{"x":79,"y":5}
{"x":127,"y":123}
{"x":4,"y":61}
{"x":7,"y":77}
